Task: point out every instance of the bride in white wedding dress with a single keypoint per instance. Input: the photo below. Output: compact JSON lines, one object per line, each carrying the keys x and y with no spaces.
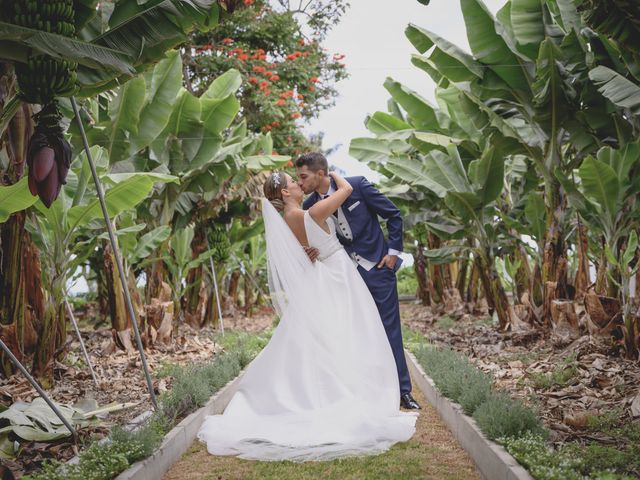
{"x":326,"y":385}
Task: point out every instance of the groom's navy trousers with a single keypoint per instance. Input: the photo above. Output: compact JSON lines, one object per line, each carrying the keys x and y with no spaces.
{"x":361,"y":210}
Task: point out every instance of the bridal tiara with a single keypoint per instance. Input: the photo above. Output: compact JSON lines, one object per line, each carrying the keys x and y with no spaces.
{"x":275,"y":177}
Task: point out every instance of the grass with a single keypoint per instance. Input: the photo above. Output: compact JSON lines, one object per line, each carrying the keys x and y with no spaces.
{"x":445,"y":322}
{"x":560,"y":376}
{"x":431,"y":453}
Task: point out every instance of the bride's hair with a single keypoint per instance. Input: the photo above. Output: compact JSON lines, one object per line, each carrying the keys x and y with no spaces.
{"x":273,"y":189}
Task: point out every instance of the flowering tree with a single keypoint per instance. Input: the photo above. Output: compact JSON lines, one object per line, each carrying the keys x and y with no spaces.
{"x":287,"y":76}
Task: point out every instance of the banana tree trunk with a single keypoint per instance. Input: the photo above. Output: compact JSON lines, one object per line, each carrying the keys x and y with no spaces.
{"x":234,"y":283}
{"x":419,"y":266}
{"x":582,"y":275}
{"x":156,"y":276}
{"x":494,"y":291}
{"x":211,"y":313}
{"x":52,"y":333}
{"x":474,"y":280}
{"x":195,"y":301}
{"x":21,"y":295}
{"x":601,"y":275}
{"x":461,"y":280}
{"x":248,"y":296}
{"x":523,"y":274}
{"x":121,"y":321}
{"x":435,"y":271}
{"x":554,"y":246}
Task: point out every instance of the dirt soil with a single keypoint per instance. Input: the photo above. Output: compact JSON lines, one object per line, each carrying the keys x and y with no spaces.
{"x":120,"y":379}
{"x":570,"y":384}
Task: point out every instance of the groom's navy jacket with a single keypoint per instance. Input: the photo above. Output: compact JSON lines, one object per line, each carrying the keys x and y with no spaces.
{"x":368,"y":239}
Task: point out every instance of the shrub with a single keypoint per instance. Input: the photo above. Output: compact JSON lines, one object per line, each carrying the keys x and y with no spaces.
{"x":477,"y":390}
{"x":502,"y":416}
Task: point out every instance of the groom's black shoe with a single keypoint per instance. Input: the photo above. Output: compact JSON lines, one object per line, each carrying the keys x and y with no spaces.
{"x":407,"y":401}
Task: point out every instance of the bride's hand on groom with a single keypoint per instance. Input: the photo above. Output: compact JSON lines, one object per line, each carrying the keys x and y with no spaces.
{"x":312,"y":253}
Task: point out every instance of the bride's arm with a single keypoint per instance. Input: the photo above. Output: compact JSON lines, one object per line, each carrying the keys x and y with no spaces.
{"x":323,"y":209}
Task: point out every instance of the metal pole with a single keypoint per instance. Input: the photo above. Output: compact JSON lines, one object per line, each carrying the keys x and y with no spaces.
{"x":215,"y":287}
{"x":35,"y":385}
{"x":84,"y":350}
{"x":116,"y":254}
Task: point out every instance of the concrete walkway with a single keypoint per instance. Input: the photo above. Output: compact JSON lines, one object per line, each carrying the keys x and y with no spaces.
{"x":432,"y":453}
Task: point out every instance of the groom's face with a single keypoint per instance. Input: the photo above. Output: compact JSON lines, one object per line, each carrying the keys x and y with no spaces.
{"x":309,"y":180}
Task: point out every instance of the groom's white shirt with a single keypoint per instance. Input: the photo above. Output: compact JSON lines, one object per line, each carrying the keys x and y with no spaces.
{"x":343,"y":225}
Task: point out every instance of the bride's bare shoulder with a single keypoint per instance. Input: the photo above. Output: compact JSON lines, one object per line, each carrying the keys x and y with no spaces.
{"x":295,"y":220}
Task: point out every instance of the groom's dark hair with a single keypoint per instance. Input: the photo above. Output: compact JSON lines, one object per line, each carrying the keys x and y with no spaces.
{"x":314,"y":161}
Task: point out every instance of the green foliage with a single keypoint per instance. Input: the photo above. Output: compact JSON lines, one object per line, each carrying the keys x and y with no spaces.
{"x":445,"y":322}
{"x":561,"y":375}
{"x":407,"y":282}
{"x":455,"y":376}
{"x":287,"y":75}
{"x":572,"y":461}
{"x":193,"y":385}
{"x":502,"y":416}
{"x":497,"y":414}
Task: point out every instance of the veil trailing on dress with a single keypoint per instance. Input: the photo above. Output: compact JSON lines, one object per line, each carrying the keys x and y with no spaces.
{"x":288,"y":265}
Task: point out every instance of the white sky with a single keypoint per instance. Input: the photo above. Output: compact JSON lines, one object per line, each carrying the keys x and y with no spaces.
{"x":371,"y":35}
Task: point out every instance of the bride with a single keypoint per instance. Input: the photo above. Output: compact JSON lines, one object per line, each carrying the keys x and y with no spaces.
{"x":326,"y":385}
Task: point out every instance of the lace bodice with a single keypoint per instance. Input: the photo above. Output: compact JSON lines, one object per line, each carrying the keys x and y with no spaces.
{"x":326,"y":243}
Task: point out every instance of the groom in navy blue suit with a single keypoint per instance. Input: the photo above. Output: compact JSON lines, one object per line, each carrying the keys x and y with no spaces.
{"x":360,"y":233}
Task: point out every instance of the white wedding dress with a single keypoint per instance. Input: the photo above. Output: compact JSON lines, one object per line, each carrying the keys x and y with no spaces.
{"x":326,"y":385}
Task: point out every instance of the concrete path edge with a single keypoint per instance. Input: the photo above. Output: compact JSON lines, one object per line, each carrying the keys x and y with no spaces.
{"x":180,"y":438}
{"x":492,"y":460}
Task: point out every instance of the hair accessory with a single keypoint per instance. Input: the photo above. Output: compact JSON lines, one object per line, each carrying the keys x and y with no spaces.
{"x":275,"y":176}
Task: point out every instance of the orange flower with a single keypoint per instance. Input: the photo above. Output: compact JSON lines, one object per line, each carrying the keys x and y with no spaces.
{"x":258,"y":69}
{"x":274,"y":78}
{"x":253,"y":79}
{"x":313,"y":79}
{"x":243,"y":57}
{"x":296,"y":115}
{"x":267,"y":127}
{"x":227,"y":41}
{"x":312,"y":88}
{"x":268,"y":73}
{"x":248,"y":3}
{"x":267,"y":93}
{"x":300,"y":96}
{"x":280,"y":102}
{"x":275,"y":123}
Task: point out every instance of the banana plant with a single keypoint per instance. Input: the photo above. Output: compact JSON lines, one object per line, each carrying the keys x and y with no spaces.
{"x":56,"y":230}
{"x":180,"y":263}
{"x":113,"y":42}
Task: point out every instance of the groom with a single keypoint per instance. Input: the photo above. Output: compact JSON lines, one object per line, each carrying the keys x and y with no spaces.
{"x":360,"y":233}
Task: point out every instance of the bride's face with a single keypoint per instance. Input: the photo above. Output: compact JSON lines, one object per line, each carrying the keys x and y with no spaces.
{"x":294,"y":189}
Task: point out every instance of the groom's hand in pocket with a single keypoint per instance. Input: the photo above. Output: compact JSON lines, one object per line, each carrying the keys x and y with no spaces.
{"x":388,"y":261}
{"x":312,"y":253}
